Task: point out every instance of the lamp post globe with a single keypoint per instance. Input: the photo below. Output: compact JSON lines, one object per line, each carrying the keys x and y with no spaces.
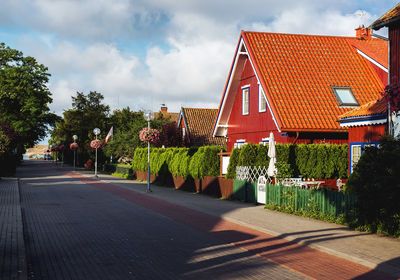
{"x":148,"y":116}
{"x":74,"y":137}
{"x":96,"y":132}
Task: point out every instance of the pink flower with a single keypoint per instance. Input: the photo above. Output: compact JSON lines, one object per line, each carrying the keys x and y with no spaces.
{"x":150,"y":135}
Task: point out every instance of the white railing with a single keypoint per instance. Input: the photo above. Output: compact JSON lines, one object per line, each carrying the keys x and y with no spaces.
{"x":252,"y":173}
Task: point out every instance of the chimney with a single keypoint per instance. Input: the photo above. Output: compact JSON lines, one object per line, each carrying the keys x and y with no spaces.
{"x":164,"y":109}
{"x":363,"y":33}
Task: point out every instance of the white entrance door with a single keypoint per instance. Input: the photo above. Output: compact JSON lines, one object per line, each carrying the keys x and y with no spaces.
{"x":261,"y":195}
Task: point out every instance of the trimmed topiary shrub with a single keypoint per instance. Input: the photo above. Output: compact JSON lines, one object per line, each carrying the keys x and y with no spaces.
{"x":322,"y":161}
{"x":233,"y":162}
{"x":175,"y":167}
{"x":248,"y":155}
{"x":139,"y":161}
{"x":205,"y":162}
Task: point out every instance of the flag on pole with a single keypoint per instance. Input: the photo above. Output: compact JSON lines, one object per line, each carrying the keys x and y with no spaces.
{"x":110,"y":133}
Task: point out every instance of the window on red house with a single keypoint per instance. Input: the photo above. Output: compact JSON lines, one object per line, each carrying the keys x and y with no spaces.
{"x":262,"y":102}
{"x":245,"y":100}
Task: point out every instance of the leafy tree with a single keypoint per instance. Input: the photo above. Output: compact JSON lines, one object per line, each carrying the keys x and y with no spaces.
{"x":24,"y":96}
{"x":127,"y":125}
{"x":87,"y":113}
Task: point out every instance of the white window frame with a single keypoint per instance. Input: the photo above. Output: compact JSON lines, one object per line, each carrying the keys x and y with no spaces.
{"x":240,"y":143}
{"x":265,"y":141}
{"x":261,"y":100}
{"x":341,"y":103}
{"x":245,"y":109}
{"x":352,"y":162}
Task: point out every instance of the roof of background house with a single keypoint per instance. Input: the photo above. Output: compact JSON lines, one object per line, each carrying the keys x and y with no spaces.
{"x":389,"y":17}
{"x":200,"y":122}
{"x":298,"y":73}
{"x":173,"y":116}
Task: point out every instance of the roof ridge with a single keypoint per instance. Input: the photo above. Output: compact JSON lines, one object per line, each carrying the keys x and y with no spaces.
{"x":305,"y":35}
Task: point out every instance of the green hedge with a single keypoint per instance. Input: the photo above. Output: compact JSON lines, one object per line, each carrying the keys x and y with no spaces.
{"x":183,"y":162}
{"x":205,"y":162}
{"x":323,"y":161}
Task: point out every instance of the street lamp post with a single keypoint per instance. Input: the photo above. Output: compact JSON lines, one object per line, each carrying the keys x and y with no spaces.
{"x":96,"y":132}
{"x":148,"y":116}
{"x":75,"y":137}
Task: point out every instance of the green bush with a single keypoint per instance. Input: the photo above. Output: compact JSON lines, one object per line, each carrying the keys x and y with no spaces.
{"x":262,"y":158}
{"x":248,"y":155}
{"x":233,"y":162}
{"x":376,"y":183}
{"x":176,"y":167}
{"x":139,"y":161}
{"x":322,"y":161}
{"x":165,"y":160}
{"x":205,"y":162}
{"x":196,"y":164}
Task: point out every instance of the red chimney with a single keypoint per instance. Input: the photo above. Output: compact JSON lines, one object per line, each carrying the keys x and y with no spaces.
{"x":363,"y":33}
{"x":164,"y":109}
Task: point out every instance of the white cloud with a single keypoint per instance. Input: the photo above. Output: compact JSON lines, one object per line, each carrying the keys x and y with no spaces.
{"x":308,"y":20}
{"x":80,"y":42}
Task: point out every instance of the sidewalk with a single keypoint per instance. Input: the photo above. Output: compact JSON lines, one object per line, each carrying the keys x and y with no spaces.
{"x":370,"y":250}
{"x":12,"y":248}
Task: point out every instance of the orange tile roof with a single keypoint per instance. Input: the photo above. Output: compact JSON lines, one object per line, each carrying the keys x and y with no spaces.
{"x":375,"y":48}
{"x":376,"y":107}
{"x":200,"y":122}
{"x":390,"y":16}
{"x":298,"y":72}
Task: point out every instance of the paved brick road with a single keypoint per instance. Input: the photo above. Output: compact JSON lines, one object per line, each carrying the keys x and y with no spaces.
{"x":12,"y":249}
{"x":80,"y":229}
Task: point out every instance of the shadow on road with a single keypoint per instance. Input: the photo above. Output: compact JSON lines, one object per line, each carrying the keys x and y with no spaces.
{"x":76,"y":230}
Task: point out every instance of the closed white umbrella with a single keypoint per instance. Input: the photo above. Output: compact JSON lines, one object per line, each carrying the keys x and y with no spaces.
{"x":272,"y":155}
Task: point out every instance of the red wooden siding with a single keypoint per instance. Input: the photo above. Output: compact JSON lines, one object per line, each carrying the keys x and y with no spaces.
{"x":254,"y":126}
{"x":368,"y":133}
{"x":394,"y":37}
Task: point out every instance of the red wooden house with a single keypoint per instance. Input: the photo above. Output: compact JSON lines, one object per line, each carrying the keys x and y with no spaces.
{"x":297,"y":85}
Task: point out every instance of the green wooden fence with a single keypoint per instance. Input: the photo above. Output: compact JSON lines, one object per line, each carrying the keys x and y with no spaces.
{"x":325,"y":201}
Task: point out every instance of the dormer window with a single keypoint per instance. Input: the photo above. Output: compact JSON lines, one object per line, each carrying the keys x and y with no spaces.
{"x":245,"y":100}
{"x":345,"y":96}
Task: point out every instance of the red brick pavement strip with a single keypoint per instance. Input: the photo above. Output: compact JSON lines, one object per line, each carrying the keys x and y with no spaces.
{"x":299,"y":258}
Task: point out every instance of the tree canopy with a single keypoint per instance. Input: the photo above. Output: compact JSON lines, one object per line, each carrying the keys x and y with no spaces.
{"x":24,"y":96}
{"x":87,"y":113}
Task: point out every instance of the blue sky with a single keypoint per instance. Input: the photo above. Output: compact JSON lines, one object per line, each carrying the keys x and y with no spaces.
{"x":141,"y":53}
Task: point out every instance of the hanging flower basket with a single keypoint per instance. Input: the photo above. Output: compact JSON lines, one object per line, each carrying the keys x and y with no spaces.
{"x":61,"y":147}
{"x":95,"y":144}
{"x":147,"y":134}
{"x":74,"y":146}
